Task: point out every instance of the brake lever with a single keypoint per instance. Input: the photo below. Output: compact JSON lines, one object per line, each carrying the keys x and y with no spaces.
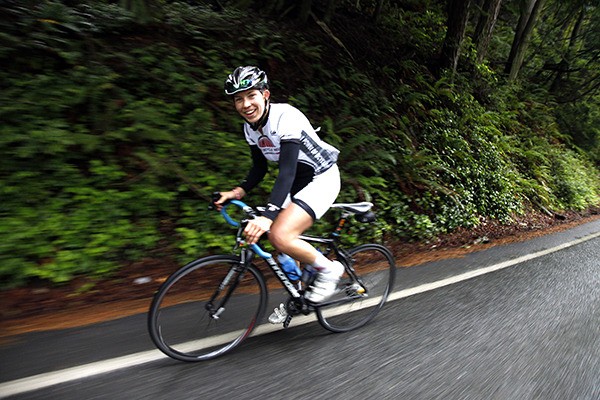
{"x":251,"y":212}
{"x":215,"y":197}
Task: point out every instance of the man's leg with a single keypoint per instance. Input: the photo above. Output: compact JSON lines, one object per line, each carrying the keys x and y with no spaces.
{"x":284,"y":235}
{"x":289,"y":224}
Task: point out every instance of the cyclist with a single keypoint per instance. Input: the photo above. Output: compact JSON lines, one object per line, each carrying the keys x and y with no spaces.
{"x":307,"y":184}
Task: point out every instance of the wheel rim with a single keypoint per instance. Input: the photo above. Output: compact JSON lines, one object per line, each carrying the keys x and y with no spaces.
{"x":182,"y":327}
{"x":375,"y":267}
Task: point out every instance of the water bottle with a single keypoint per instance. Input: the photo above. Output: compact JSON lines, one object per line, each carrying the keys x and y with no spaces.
{"x":290,"y":267}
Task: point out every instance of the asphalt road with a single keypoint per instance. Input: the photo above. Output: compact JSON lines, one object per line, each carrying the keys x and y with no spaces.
{"x":530,"y":330}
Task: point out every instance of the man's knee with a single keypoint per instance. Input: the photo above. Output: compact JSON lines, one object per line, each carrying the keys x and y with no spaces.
{"x":279,"y":238}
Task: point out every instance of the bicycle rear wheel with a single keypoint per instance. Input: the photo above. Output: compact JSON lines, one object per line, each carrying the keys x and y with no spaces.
{"x":197,"y":314}
{"x":375,"y":269}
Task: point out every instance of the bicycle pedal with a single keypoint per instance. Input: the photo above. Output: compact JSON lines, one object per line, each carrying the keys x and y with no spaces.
{"x":355,"y":289}
{"x":287,"y":321}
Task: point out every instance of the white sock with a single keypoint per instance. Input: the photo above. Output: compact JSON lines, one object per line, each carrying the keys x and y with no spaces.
{"x":322,"y":263}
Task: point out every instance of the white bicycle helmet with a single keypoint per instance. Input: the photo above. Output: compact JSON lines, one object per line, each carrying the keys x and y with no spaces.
{"x":245,"y":78}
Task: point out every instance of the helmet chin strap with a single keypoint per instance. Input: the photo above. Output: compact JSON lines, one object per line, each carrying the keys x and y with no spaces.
{"x":263,"y":118}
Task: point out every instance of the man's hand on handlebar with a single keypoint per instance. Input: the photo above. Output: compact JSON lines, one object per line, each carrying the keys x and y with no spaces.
{"x":255,"y":229}
{"x":236,"y":193}
{"x":225,"y":196}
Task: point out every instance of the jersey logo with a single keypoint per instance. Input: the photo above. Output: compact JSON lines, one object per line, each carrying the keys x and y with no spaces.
{"x":264,"y":141}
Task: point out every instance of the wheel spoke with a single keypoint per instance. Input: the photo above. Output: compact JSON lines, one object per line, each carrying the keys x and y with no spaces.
{"x":375,"y":268}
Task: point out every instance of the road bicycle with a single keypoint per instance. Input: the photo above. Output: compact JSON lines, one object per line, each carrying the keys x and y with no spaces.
{"x":211,"y":305}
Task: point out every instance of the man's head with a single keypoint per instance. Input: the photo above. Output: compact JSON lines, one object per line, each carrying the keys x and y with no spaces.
{"x":249,"y":88}
{"x":244,"y":78}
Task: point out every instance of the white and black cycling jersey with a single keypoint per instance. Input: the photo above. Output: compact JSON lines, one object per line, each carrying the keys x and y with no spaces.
{"x":287,"y":123}
{"x":288,"y":138}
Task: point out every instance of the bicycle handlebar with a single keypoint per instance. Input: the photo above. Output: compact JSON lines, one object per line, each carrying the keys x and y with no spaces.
{"x":250,"y":212}
{"x":247,"y":209}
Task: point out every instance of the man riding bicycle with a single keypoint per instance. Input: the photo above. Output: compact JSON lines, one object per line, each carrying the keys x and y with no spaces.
{"x":306,"y":186}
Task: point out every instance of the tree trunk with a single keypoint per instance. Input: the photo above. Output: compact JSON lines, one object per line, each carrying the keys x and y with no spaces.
{"x":485,"y":27}
{"x":530,"y":10}
{"x":569,"y":53}
{"x":458,"y":14}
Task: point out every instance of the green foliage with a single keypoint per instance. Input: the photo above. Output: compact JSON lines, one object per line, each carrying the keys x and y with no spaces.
{"x":419,"y":28}
{"x":115,"y":131}
{"x":573,"y":185}
{"x":581,"y":121}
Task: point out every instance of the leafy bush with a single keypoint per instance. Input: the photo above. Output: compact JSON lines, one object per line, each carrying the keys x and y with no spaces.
{"x":115,"y":131}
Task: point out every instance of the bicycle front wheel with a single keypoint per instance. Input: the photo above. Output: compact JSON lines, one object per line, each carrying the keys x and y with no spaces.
{"x":357,"y":301}
{"x":207,"y":308}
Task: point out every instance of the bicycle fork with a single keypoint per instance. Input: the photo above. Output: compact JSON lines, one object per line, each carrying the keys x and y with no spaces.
{"x":235,"y":274}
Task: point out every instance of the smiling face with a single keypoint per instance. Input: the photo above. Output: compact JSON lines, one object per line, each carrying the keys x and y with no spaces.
{"x":251,"y":104}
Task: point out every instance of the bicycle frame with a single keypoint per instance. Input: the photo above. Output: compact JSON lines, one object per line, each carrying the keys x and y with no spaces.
{"x":198,"y":326}
{"x":248,"y":252}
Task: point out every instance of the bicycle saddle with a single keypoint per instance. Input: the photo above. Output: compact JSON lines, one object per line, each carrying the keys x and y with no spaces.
{"x":356,"y":208}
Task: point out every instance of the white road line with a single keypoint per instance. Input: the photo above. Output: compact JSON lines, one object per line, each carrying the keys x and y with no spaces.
{"x":45,"y":380}
{"x":70,"y":374}
{"x":486,"y":270}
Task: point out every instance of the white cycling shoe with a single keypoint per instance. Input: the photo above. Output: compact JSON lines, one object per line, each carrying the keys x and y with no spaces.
{"x":325,"y":283}
{"x":323,"y":287}
{"x":279,"y":315}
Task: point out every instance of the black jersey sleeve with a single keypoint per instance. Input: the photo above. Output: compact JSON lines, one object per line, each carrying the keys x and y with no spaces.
{"x":288,"y":162}
{"x":257,"y":171}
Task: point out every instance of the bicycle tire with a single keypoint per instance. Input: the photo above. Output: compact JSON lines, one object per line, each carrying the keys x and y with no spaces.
{"x":375,"y":267}
{"x":180,"y":324}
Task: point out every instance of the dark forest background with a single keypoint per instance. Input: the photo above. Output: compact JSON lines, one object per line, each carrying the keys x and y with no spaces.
{"x":115,"y":129}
